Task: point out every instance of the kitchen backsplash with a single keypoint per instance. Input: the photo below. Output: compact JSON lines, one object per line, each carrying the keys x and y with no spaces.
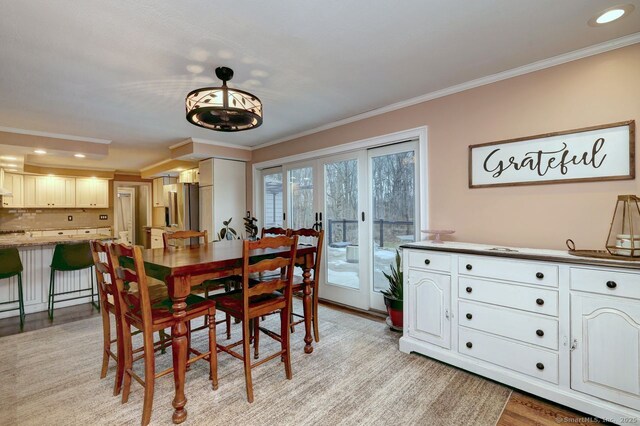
{"x":33,"y":219}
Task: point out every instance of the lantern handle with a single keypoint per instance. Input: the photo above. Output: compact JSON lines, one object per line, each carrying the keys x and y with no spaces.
{"x":571,"y":245}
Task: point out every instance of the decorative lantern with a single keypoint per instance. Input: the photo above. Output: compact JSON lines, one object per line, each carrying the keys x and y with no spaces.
{"x":624,"y":234}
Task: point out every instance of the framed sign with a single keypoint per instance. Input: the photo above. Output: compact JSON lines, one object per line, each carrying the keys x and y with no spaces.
{"x":591,"y":154}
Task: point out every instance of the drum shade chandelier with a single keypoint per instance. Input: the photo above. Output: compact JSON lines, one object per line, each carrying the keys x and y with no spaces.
{"x":222,"y":108}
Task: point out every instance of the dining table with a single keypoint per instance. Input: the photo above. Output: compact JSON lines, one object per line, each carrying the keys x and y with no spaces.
{"x":184,"y":267}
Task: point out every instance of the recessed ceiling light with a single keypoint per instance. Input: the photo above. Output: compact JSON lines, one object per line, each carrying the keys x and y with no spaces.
{"x":79,"y":155}
{"x":611,"y":14}
{"x":8,"y":158}
{"x":40,"y":151}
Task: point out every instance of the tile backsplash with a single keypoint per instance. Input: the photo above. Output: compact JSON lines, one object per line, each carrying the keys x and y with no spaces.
{"x":34,"y":219}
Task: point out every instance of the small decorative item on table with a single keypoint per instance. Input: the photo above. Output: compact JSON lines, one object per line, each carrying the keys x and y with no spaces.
{"x":624,"y":233}
{"x":437,"y":233}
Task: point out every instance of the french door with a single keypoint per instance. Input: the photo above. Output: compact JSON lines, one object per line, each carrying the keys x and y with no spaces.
{"x":367,"y":203}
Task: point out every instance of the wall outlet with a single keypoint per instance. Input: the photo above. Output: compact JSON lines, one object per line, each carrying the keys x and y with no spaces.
{"x":104,"y":217}
{"x":70,"y":218}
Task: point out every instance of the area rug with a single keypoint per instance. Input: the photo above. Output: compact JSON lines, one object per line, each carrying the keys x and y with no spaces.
{"x":356,"y":375}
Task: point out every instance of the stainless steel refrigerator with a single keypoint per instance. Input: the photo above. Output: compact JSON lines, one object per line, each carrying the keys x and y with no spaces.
{"x":183,"y":207}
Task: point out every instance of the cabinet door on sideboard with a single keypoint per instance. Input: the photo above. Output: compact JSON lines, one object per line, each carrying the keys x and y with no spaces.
{"x":430,"y":307}
{"x":605,"y":360}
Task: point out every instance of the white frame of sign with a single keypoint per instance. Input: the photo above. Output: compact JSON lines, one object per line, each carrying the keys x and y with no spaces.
{"x":598,"y":153}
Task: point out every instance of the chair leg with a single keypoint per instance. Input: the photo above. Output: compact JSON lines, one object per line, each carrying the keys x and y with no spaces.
{"x":95,"y":305}
{"x":285,"y":338}
{"x":188,"y":344}
{"x":117,"y":387}
{"x":227,"y":321}
{"x":149,"y":377}
{"x":213,"y":349}
{"x":21,"y":300}
{"x":52,"y":286}
{"x":314,"y":319}
{"x":256,"y":337}
{"x":246,"y":357}
{"x":128,"y":361}
{"x":106,"y":342}
{"x":291,"y":327}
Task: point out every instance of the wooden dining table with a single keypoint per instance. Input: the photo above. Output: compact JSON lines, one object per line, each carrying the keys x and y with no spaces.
{"x":184,"y":267}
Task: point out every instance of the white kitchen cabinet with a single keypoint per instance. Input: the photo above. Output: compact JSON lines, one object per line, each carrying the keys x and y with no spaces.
{"x":14,"y":183}
{"x":605,"y":361}
{"x":92,"y":193}
{"x":49,"y":191}
{"x":430,"y":307}
{"x":158,"y":192}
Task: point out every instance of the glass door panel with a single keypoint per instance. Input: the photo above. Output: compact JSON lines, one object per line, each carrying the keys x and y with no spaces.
{"x":301,"y":208}
{"x":272,"y":200}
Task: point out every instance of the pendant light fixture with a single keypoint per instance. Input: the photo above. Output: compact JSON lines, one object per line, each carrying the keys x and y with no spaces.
{"x":222,"y":108}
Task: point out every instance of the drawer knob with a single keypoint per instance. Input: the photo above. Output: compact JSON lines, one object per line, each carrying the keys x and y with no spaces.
{"x":427,"y":261}
{"x":469,"y":289}
{"x":540,"y":366}
{"x":612,"y":284}
{"x":469,"y":316}
{"x":539,"y":275}
{"x":469,"y":345}
{"x":540,"y":302}
{"x":540,"y":333}
{"x":469,"y":267}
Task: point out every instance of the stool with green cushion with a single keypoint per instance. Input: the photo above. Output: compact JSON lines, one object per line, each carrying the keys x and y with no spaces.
{"x":11,"y":266}
{"x":68,"y":258}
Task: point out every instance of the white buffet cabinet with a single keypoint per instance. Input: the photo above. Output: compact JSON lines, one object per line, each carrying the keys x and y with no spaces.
{"x":561,"y":327}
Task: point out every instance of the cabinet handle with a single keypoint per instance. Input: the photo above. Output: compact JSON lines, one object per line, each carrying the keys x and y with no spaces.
{"x":540,"y":366}
{"x":469,"y":267}
{"x":446,"y":313}
{"x":469,"y":316}
{"x":469,"y":289}
{"x":540,"y":333}
{"x":469,"y":345}
{"x":540,"y":302}
{"x":60,"y":233}
{"x":427,"y":261}
{"x":539,"y":275}
{"x":612,"y":284}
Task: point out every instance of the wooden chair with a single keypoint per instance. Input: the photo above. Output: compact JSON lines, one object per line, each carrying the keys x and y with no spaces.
{"x":318,"y":236}
{"x":262,"y":298}
{"x":138,"y":310}
{"x":273,"y":232}
{"x":182,"y":236}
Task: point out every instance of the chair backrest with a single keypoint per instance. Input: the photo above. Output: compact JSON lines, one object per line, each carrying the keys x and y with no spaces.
{"x":104,"y":271}
{"x":284,"y":261}
{"x":183,"y":236}
{"x":10,"y":263}
{"x":318,"y":237}
{"x":71,"y":257}
{"x":131,"y":282}
{"x":273,"y":231}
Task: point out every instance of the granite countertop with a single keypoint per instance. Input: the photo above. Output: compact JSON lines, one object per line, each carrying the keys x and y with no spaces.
{"x":26,"y":241}
{"x":59,"y":228}
{"x":521,"y":253}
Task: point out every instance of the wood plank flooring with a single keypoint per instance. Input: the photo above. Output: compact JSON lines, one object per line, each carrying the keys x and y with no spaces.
{"x":521,"y":409}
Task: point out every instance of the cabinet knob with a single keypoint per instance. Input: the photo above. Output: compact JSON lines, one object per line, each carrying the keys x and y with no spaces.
{"x":539,"y":275}
{"x":469,"y":289}
{"x":469,"y":345}
{"x":469,"y":267}
{"x":612,"y":284}
{"x":540,"y":366}
{"x":540,"y":333}
{"x":427,"y":261}
{"x":540,"y":302}
{"x":469,"y":316}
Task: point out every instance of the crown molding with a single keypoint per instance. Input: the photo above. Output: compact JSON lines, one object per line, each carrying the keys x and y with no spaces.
{"x":212,"y":143}
{"x":483,"y":81}
{"x":54,"y":135}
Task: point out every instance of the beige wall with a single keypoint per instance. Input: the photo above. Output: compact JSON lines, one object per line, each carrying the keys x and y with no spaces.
{"x":595,"y":90}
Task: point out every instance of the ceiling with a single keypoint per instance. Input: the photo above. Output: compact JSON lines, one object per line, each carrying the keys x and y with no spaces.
{"x":120,"y":70}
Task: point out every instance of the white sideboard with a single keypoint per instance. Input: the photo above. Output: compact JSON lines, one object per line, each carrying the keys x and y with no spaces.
{"x":562,"y":327}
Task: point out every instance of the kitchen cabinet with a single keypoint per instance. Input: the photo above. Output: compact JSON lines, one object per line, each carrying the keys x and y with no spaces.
{"x":92,"y":193}
{"x":429,"y":307}
{"x":14,"y":183}
{"x":158,"y":192}
{"x":49,"y":191}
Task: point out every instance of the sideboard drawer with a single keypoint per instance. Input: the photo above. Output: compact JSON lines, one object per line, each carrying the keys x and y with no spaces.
{"x":530,"y":328}
{"x":525,"y":359}
{"x":511,"y":270}
{"x":602,"y":281}
{"x":532,"y":299}
{"x":426,"y":259}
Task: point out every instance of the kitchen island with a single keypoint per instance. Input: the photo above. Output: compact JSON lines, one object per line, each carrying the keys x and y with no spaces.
{"x":36,"y":251}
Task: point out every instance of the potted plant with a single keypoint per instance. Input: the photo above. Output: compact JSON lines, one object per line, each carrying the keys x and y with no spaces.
{"x":227,"y":232}
{"x":393,"y":296}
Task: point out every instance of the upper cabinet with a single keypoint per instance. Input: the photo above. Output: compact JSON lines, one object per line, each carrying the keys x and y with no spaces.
{"x":49,"y":191}
{"x":158,"y":188}
{"x":13,"y":182}
{"x":92,"y":193}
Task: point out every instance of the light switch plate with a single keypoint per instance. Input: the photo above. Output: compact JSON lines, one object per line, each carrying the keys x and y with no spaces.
{"x":104,"y":217}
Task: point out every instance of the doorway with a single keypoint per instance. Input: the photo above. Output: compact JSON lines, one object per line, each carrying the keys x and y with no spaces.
{"x":131,"y":211}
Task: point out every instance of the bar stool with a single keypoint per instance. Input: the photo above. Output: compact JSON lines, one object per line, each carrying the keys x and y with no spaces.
{"x":67,"y":258}
{"x":10,"y":266}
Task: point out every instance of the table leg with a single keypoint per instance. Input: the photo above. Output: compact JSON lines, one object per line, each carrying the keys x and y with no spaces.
{"x":306,"y":304}
{"x":179,"y":290}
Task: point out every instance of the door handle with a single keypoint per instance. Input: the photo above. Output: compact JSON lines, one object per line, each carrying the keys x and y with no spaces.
{"x":362,"y":216}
